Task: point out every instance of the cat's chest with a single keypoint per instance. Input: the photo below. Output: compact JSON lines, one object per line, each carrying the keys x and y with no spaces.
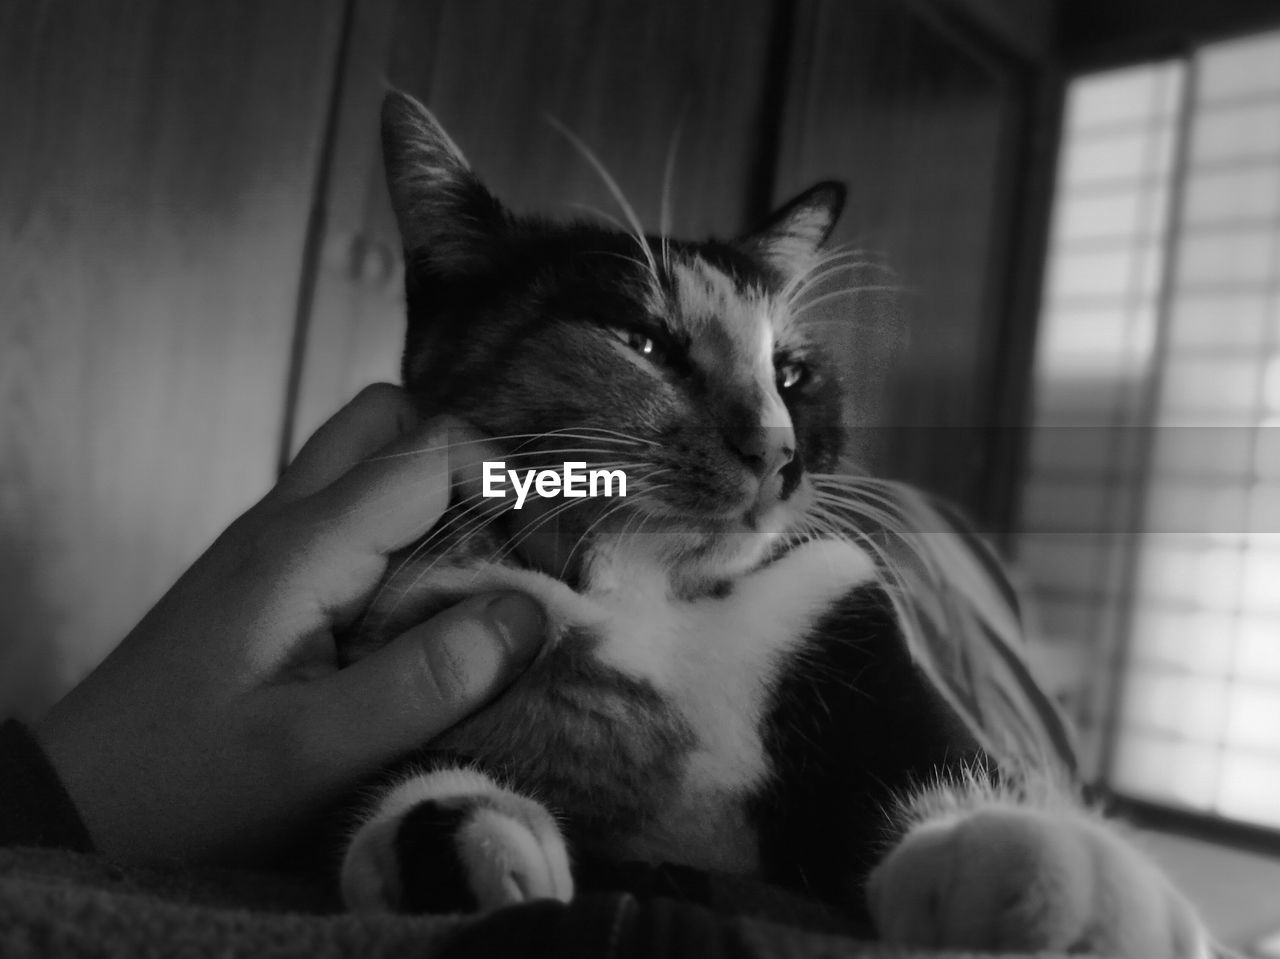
{"x":646,"y":715}
{"x":716,"y":659}
{"x":717,"y":662}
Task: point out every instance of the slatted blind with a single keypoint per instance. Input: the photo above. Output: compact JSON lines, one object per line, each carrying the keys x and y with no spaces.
{"x":1152,"y":511}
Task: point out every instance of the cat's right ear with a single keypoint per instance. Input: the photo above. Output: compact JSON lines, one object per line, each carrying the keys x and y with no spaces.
{"x":791,"y":239}
{"x":448,"y":220}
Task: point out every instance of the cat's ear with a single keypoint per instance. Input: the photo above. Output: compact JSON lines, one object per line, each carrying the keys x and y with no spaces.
{"x":790,"y":239}
{"x":448,"y":221}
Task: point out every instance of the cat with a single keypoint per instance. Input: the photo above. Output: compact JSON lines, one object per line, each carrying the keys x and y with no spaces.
{"x":752,"y":661}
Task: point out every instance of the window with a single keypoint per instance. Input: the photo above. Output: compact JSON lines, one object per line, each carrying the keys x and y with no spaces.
{"x":1151,"y":517}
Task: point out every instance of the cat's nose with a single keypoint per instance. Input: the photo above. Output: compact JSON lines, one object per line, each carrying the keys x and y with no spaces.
{"x":766,"y":450}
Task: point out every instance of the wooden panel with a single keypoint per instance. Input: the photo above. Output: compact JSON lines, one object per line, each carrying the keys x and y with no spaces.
{"x":157,"y":171}
{"x":621,"y":75}
{"x":917,"y":122}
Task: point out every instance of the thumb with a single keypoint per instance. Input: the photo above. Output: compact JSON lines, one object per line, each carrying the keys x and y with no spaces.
{"x":428,"y":678}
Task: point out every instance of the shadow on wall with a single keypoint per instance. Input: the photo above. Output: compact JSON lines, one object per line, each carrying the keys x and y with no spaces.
{"x":30,"y":676}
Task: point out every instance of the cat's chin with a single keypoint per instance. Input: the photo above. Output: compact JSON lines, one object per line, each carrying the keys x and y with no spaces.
{"x":690,"y":548}
{"x":711,"y":549}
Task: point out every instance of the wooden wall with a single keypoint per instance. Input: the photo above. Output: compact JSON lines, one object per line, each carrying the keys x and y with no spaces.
{"x":190,"y":281}
{"x":156,"y":173}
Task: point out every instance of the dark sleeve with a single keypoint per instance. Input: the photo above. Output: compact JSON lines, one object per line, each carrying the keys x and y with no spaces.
{"x":35,"y":809}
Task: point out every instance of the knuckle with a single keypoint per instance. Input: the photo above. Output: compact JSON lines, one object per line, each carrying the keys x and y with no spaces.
{"x":390,"y":399}
{"x":380,"y":392}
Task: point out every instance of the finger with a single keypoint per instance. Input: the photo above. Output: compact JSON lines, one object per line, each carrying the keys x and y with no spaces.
{"x":378,"y":415}
{"x":425,"y":680}
{"x":393,"y":498}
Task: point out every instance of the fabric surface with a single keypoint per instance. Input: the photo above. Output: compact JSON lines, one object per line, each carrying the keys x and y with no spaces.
{"x":69,"y":902}
{"x":34,"y":808}
{"x":59,"y":899}
{"x":57,"y":903}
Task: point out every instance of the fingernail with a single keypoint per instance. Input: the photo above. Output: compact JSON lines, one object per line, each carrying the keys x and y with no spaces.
{"x":521,"y":623}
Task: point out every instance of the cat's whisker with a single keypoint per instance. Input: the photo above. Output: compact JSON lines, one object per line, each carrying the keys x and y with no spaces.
{"x":846,"y":320}
{"x":599,"y":520}
{"x":835,"y":512}
{"x":580,"y":433}
{"x":668,"y":173}
{"x":797,"y":287}
{"x":558,"y":510}
{"x":829,"y":259}
{"x":619,"y":197}
{"x":554,"y":453}
{"x":808,"y":292}
{"x":859,"y":491}
{"x":603,"y":435}
{"x":509,"y":549}
{"x":464,"y":529}
{"x":848,"y":292}
{"x":632,"y":518}
{"x":453,"y":522}
{"x":425,"y":450}
{"x":434,"y":475}
{"x":858,"y":497}
{"x":660,"y":471}
{"x":388,"y":501}
{"x":884,"y":521}
{"x":609,"y":218}
{"x":895,"y":578}
{"x":609,"y":432}
{"x":647,"y":493}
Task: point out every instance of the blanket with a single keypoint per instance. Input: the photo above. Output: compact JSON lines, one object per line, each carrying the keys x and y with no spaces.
{"x":56,"y":903}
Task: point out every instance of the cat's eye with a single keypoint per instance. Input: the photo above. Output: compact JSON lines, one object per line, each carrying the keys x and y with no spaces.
{"x":644,"y":344}
{"x":792,"y":374}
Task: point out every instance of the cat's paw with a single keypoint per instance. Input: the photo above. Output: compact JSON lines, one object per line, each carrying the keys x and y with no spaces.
{"x":454,"y":841}
{"x":1021,"y":879}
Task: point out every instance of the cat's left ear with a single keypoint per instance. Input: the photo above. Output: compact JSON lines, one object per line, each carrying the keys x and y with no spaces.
{"x":449,"y":221}
{"x":791,"y":238}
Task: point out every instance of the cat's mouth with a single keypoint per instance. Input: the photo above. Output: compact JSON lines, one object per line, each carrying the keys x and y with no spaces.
{"x":560,"y":542}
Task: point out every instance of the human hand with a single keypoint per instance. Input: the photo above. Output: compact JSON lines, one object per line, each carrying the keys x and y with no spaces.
{"x":222,"y":724}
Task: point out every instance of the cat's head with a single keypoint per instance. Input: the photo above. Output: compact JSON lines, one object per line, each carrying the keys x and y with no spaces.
{"x":683,"y":363}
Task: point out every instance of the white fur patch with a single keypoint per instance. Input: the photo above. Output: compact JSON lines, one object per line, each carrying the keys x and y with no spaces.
{"x":511,"y":853}
{"x":992,"y":871}
{"x":507,"y":862}
{"x":370,"y":879}
{"x":713,"y":658}
{"x":704,"y":294}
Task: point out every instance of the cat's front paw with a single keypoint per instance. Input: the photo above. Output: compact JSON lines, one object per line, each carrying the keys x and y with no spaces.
{"x":1020,"y":879}
{"x":454,"y":841}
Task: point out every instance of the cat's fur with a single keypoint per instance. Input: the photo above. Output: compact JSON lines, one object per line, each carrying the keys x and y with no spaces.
{"x":728,"y":682}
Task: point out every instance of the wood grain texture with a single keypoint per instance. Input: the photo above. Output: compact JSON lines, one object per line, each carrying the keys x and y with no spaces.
{"x":155,"y":182}
{"x":916,"y":121}
{"x":620,"y":75}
